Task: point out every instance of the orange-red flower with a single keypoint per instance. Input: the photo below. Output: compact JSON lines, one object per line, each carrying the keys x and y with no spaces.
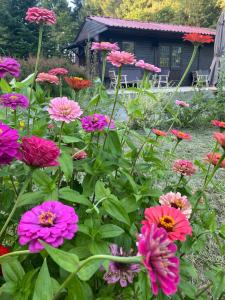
{"x":220,"y":137}
{"x":219,"y":124}
{"x":197,"y":38}
{"x":213,"y":158}
{"x":181,"y":135}
{"x":159,"y":132}
{"x":77,"y":83}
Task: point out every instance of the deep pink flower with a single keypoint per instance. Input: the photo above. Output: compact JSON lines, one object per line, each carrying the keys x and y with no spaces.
{"x":171,"y":219}
{"x":45,"y":77}
{"x":181,"y":135}
{"x":219,"y":124}
{"x":9,"y":65}
{"x":40,"y":15}
{"x":177,"y":201}
{"x":95,"y":122}
{"x":63,"y":109}
{"x":79,"y":154}
{"x":213,"y":158}
{"x":39,"y":152}
{"x":220,"y":137}
{"x":9,"y":145}
{"x":148,"y":67}
{"x":159,"y":259}
{"x":51,"y":222}
{"x":104,"y":46}
{"x":120,"y":272}
{"x":119,"y":58}
{"x":14,"y":100}
{"x":184,"y":167}
{"x":182,"y":103}
{"x":58,"y":71}
{"x":159,"y":132}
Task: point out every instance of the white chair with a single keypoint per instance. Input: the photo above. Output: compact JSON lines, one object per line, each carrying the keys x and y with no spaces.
{"x":163,"y":78}
{"x":201,"y":77}
{"x":114,"y":78}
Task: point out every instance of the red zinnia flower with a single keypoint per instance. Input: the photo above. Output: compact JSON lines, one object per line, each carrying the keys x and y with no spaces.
{"x":3,"y":250}
{"x":169,"y":218}
{"x":220,"y":137}
{"x":213,"y":158}
{"x":181,"y":135}
{"x":197,"y":38}
{"x":159,"y":132}
{"x":219,"y":124}
{"x":77,"y":83}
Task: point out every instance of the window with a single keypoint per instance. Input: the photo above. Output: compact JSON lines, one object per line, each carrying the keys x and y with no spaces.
{"x":128,"y":46}
{"x":176,"y":57}
{"x":164,"y":56}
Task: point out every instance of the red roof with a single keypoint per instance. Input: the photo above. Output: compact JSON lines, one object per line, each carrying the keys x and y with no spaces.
{"x":122,"y":23}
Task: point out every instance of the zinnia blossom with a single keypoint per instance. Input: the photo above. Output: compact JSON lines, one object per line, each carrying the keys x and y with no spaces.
{"x":182,"y":103}
{"x":120,"y":272}
{"x":169,"y":218}
{"x":148,"y":67}
{"x":181,"y":135}
{"x":58,"y":71}
{"x":197,"y":38}
{"x":159,"y":132}
{"x":184,"y":167}
{"x":14,"y":100}
{"x":40,"y":15}
{"x":219,"y":124}
{"x":9,"y":65}
{"x":119,"y":58}
{"x":220,"y":137}
{"x":79,"y":154}
{"x":177,"y":201}
{"x":9,"y":146}
{"x":51,"y":222}
{"x":213,"y":158}
{"x":63,"y":109}
{"x":111,"y":123}
{"x":77,"y":83}
{"x":104,"y":46}
{"x":45,"y":77}
{"x":3,"y":250}
{"x":95,"y":122}
{"x":39,"y":152}
{"x":159,"y":259}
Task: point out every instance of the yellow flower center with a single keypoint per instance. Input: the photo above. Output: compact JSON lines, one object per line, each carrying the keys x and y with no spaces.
{"x":78,"y":78}
{"x":13,"y":97}
{"x":47,"y":218}
{"x":66,"y":110}
{"x":167,"y":223}
{"x":1,"y":131}
{"x":177,"y":204}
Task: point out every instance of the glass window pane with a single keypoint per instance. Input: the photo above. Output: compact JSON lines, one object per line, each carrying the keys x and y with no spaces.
{"x":176,"y":57}
{"x":128,"y":46}
{"x":164,"y":56}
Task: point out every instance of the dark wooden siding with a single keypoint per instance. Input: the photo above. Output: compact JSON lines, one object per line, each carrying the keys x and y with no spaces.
{"x":89,"y":30}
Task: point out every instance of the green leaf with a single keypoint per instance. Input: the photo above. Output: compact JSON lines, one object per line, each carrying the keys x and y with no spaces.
{"x":114,"y":208}
{"x":187,"y":288}
{"x":110,"y":230}
{"x":94,"y":100}
{"x":70,"y":139}
{"x":101,"y":191}
{"x":187,"y":269}
{"x":30,"y":198}
{"x":5,"y":87}
{"x":43,"y":286}
{"x":89,"y":269}
{"x":12,"y":270}
{"x":73,"y":196}
{"x":66,"y":165}
{"x":76,"y":290}
{"x":24,"y":83}
{"x":67,"y":261}
{"x":43,"y":181}
{"x":27,"y":284}
{"x":112,"y":144}
{"x":144,"y":286}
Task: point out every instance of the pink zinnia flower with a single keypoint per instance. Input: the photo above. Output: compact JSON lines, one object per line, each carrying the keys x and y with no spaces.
{"x":9,"y":65}
{"x":171,"y":219}
{"x":51,"y":222}
{"x":177,"y":201}
{"x":95,"y":122}
{"x":9,"y":146}
{"x":45,"y":77}
{"x":63,"y":109}
{"x":119,"y":58}
{"x":110,"y":123}
{"x":58,"y":71}
{"x":213,"y":158}
{"x":181,"y":135}
{"x":182,"y":103}
{"x":79,"y":154}
{"x":14,"y":101}
{"x":220,"y":137}
{"x":184,"y":167}
{"x":148,"y":67}
{"x":40,"y":15}
{"x":159,"y":259}
{"x":120,"y":272}
{"x":159,"y":132}
{"x":219,"y":124}
{"x":39,"y":152}
{"x":104,"y":46}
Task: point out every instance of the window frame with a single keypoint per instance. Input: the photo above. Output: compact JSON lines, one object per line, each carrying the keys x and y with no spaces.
{"x":170,"y":56}
{"x":128,"y":42}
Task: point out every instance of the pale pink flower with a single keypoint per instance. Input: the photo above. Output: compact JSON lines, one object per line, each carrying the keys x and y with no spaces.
{"x":184,"y":167}
{"x":45,"y":77}
{"x":181,"y":103}
{"x":148,"y":67}
{"x":178,"y":201}
{"x":63,"y":109}
{"x":104,"y":46}
{"x":119,"y":58}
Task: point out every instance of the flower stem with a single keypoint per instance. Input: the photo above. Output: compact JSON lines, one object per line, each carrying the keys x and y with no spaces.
{"x":15,"y":117}
{"x":60,"y":86}
{"x":104,"y":55}
{"x":60,"y":133}
{"x":15,"y":253}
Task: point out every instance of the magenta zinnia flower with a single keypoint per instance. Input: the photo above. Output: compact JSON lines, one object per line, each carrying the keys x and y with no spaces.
{"x":120,"y":272}
{"x":63,"y":109}
{"x":39,"y":152}
{"x":184,"y":167}
{"x":9,"y":145}
{"x":40,"y":15}
{"x":9,"y":65}
{"x":95,"y":122}
{"x":14,"y":100}
{"x":119,"y":58}
{"x":148,"y":67}
{"x":51,"y":222}
{"x":104,"y":46}
{"x":58,"y":71}
{"x":45,"y":77}
{"x":159,"y":259}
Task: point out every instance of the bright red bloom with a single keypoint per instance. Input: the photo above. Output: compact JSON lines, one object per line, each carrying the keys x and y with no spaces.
{"x":213,"y":158}
{"x":3,"y":250}
{"x":219,"y":124}
{"x":40,"y":15}
{"x":77,"y":83}
{"x":181,"y":135}
{"x":220,"y":137}
{"x":197,"y":38}
{"x":169,"y":218}
{"x":159,"y":132}
{"x":58,"y":71}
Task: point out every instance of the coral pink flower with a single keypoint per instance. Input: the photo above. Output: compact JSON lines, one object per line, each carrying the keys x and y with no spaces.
{"x":197,"y":38}
{"x":220,"y":137}
{"x":63,"y":109}
{"x":39,"y":152}
{"x":181,"y":135}
{"x":177,"y":201}
{"x":219,"y":124}
{"x":184,"y":167}
{"x":213,"y":158}
{"x":40,"y":15}
{"x":159,"y":259}
{"x":119,"y":58}
{"x":182,"y":103}
{"x":79,"y":154}
{"x":171,"y":219}
{"x":104,"y":46}
{"x":159,"y":132}
{"x":45,"y":77}
{"x":58,"y":71}
{"x":148,"y":67}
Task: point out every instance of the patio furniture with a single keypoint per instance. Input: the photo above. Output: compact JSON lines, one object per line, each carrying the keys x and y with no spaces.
{"x":163,"y":78}
{"x":200,"y":77}
{"x":114,"y":78}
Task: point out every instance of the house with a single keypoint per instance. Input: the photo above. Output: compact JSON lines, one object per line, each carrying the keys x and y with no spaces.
{"x":156,"y":43}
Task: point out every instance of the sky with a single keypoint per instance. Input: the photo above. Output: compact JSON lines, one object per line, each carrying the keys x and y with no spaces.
{"x":69,"y":1}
